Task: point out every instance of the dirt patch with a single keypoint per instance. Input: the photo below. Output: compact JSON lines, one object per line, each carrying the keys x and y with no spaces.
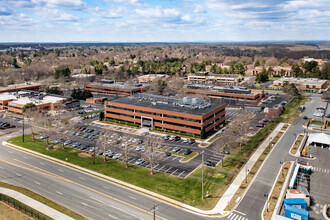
{"x":73,"y":151}
{"x":84,"y":155}
{"x":219,"y":175}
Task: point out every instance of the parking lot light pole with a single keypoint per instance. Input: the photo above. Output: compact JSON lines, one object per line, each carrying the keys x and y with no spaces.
{"x":23,"y":129}
{"x":202,"y":174}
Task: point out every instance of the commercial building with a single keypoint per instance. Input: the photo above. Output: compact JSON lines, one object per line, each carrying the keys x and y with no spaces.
{"x":149,"y":78}
{"x":310,"y":84}
{"x":15,"y":101}
{"x":19,"y":87}
{"x":191,"y":115}
{"x":231,"y":95}
{"x":309,"y":59}
{"x":281,"y":71}
{"x":252,"y":71}
{"x":205,"y":77}
{"x":115,"y":88}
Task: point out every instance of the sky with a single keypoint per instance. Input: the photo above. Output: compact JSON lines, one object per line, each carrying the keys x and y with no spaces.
{"x":163,"y":20}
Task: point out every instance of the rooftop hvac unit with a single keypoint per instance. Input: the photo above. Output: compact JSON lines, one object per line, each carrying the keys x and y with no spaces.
{"x":154,"y":103}
{"x":194,"y":101}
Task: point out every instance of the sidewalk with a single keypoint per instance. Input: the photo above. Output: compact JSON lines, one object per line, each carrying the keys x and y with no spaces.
{"x":35,"y":204}
{"x":230,"y":192}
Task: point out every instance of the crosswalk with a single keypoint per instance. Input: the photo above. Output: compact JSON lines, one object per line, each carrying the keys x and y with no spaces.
{"x":235,"y":216}
{"x":321,"y":170}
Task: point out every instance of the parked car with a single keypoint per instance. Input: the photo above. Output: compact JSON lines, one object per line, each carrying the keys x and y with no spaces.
{"x":116,"y":156}
{"x":76,"y":144}
{"x":67,"y":142}
{"x":259,"y":125}
{"x":139,"y":161}
{"x":187,"y":151}
{"x":84,"y":147}
{"x":209,"y":163}
{"x":191,"y":141}
{"x":327,"y":116}
{"x":168,"y":154}
{"x":177,"y":138}
{"x":176,"y":149}
{"x":305,"y":117}
{"x":166,"y":137}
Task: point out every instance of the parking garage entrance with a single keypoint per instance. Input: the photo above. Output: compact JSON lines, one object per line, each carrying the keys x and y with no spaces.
{"x":147,"y":122}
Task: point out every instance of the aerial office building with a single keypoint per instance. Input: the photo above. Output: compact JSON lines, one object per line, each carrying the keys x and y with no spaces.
{"x":190,"y":114}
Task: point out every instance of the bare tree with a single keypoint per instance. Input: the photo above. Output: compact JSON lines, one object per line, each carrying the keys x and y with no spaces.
{"x":152,"y":144}
{"x":127,"y":149}
{"x":62,"y":129}
{"x":103,"y":143}
{"x":240,"y":125}
{"x":31,"y":117}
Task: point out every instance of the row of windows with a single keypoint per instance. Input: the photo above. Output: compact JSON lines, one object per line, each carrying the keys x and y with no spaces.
{"x":15,"y":107}
{"x":159,"y":121}
{"x":211,"y":116}
{"x":154,"y":113}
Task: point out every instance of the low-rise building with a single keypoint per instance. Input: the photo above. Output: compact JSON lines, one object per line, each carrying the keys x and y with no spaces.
{"x":281,"y":71}
{"x":115,"y":88}
{"x":252,"y":71}
{"x":308,"y":59}
{"x":205,"y":77}
{"x":15,"y":101}
{"x":19,"y":87}
{"x":149,"y":78}
{"x":191,"y":115}
{"x":303,"y":83}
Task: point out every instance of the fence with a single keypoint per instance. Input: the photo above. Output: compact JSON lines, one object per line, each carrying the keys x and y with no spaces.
{"x":23,"y":208}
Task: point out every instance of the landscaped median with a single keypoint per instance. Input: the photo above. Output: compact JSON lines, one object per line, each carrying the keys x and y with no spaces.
{"x":296,"y":144}
{"x":277,"y":188}
{"x":43,"y":200}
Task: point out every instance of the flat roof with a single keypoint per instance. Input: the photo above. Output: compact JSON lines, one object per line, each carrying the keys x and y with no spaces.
{"x":20,"y":99}
{"x":18,"y":86}
{"x":164,"y":103}
{"x":117,"y":85}
{"x":303,"y":81}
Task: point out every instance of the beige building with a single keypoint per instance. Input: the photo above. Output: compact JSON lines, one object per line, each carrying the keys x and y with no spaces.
{"x":302,"y":83}
{"x":149,"y":78}
{"x":205,"y":77}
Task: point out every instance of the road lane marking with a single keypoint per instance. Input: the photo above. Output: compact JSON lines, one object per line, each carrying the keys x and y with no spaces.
{"x":42,"y":163}
{"x":37,"y":183}
{"x":161,"y":168}
{"x":239,"y":218}
{"x":236,"y":217}
{"x":25,"y":157}
{"x":82,"y":178}
{"x":59,"y":192}
{"x":105,"y":187}
{"x":125,"y":212}
{"x":47,"y":173}
{"x":132,"y":197}
{"x":18,"y":174}
{"x":1,"y":168}
{"x":111,"y":216}
{"x":10,"y":152}
{"x":239,"y":212}
{"x":156,"y":166}
{"x":230,"y":215}
{"x":60,"y":170}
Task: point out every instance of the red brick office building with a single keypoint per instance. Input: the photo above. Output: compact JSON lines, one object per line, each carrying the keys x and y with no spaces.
{"x":189,"y":114}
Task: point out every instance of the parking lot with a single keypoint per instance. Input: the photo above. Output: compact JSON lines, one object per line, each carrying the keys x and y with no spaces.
{"x":165,"y":162}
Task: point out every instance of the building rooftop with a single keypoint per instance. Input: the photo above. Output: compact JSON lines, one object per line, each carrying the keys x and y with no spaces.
{"x":118,"y":85}
{"x":24,"y":97}
{"x":227,"y":89}
{"x":18,"y":86}
{"x":189,"y":104}
{"x":302,"y":81}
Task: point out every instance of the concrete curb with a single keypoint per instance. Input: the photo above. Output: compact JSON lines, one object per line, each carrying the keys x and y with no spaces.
{"x":40,"y":207}
{"x":325,"y":212}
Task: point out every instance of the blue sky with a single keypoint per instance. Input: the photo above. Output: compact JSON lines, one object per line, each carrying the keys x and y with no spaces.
{"x":163,"y":20}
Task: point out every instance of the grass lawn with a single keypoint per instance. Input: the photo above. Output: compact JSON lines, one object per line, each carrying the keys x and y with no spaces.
{"x":291,"y":113}
{"x":296,"y":144}
{"x":276,"y":191}
{"x":43,"y":200}
{"x":9,"y":213}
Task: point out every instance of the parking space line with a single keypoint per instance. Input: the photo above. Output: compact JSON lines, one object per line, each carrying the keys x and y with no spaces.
{"x":174,"y":171}
{"x":181,"y":173}
{"x":156,"y":166}
{"x":161,"y":168}
{"x":168,"y":169}
{"x":175,"y":157}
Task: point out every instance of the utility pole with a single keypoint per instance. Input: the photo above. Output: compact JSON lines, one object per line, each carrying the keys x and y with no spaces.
{"x":153,"y":209}
{"x":23,"y":129}
{"x":202,"y":174}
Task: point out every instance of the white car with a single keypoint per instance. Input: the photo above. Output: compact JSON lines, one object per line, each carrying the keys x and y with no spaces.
{"x":116,"y":156}
{"x":139,"y":161}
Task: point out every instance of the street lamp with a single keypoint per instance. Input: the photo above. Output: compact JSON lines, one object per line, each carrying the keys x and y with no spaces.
{"x":247,"y":171}
{"x":269,"y":141}
{"x":23,"y":129}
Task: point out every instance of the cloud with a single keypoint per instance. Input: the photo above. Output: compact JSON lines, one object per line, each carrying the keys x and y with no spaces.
{"x":56,"y":15}
{"x":106,"y":13}
{"x":131,"y":2}
{"x":67,"y":4}
{"x":158,"y":13}
{"x":199,"y":9}
{"x":4,"y":11}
